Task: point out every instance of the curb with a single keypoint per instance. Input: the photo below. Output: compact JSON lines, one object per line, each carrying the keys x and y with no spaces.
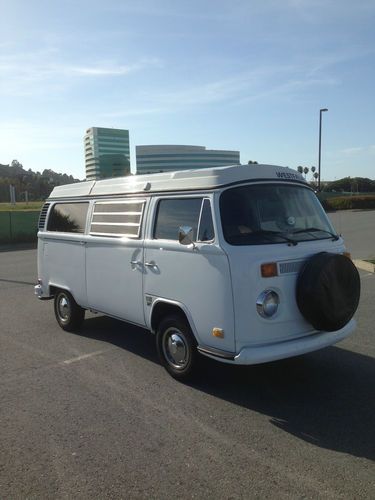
{"x":364,"y":265}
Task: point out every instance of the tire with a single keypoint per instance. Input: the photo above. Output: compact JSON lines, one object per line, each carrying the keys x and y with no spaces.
{"x":328,"y":291}
{"x":176,"y":347}
{"x":69,"y":314}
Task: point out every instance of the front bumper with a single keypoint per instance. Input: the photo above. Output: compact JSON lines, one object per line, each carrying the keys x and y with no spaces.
{"x":39,"y":292}
{"x":287,"y":349}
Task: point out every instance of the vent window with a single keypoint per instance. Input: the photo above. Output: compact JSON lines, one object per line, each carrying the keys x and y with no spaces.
{"x":43,"y":216}
{"x":117,"y":218}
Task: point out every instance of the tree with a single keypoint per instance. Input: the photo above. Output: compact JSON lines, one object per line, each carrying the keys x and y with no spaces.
{"x":252,"y":162}
{"x":16,"y":164}
{"x":37,"y":185}
{"x":300,"y":169}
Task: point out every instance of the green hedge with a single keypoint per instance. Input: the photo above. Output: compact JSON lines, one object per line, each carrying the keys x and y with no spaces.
{"x":18,"y":227}
{"x":348,"y":203}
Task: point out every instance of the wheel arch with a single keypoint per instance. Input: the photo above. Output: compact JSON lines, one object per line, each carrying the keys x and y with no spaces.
{"x":161,"y":308}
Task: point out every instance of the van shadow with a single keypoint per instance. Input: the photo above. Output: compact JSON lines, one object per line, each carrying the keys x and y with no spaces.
{"x":326,"y":398}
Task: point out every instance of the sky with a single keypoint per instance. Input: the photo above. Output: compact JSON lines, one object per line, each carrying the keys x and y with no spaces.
{"x":247,"y":75}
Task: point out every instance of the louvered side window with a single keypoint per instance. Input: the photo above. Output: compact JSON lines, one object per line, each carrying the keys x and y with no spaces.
{"x":117,"y":218}
{"x":43,"y":216}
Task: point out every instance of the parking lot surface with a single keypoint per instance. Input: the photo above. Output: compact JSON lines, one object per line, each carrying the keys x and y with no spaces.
{"x":358,"y":230}
{"x":93,"y":415}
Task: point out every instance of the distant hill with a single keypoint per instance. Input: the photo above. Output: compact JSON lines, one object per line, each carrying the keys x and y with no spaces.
{"x":38,"y":185}
{"x":351,"y":184}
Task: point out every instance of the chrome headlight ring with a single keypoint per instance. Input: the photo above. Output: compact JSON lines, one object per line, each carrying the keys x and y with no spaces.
{"x":268,"y":303}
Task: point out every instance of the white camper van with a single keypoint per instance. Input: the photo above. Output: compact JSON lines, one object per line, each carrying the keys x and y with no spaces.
{"x":237,"y":263}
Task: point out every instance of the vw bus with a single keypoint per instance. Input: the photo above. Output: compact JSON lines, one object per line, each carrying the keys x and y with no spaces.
{"x":238,"y":263}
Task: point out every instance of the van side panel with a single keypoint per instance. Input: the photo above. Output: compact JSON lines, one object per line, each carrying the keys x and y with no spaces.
{"x":63,"y":258}
{"x":114,"y":277}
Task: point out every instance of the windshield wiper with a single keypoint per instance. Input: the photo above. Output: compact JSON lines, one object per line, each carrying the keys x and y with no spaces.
{"x":311,"y":229}
{"x":278,"y":234}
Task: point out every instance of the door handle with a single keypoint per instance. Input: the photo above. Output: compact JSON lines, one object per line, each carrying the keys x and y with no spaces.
{"x":150,"y":264}
{"x":135,"y":262}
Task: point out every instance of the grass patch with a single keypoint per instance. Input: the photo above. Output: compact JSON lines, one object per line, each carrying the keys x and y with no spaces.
{"x":21,"y":206}
{"x":372,"y":261}
{"x":349,"y":203}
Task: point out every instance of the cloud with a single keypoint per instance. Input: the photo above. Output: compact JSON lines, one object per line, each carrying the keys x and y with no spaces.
{"x":33,"y":73}
{"x":108,"y":69}
{"x":358,"y":149}
{"x":248,"y":86}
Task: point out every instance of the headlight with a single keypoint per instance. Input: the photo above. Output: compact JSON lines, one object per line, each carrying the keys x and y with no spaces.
{"x":268,"y":303}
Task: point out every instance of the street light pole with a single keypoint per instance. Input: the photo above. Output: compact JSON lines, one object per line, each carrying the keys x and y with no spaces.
{"x":320,"y":142}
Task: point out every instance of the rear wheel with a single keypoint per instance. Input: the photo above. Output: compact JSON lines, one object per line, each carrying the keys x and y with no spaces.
{"x":69,"y":314}
{"x":176,"y":347}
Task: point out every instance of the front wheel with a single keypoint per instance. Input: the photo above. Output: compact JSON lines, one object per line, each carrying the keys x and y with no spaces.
{"x":176,"y":347}
{"x":69,"y":314}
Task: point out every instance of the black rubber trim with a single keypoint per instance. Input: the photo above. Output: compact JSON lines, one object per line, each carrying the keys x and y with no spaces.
{"x":217,"y":352}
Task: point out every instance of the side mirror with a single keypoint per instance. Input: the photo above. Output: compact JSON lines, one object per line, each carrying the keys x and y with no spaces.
{"x":185,"y":235}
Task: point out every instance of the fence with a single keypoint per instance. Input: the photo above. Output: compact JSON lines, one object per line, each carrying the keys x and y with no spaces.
{"x":18,"y":227}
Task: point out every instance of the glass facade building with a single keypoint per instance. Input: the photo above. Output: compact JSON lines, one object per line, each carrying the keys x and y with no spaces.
{"x":164,"y":158}
{"x":107,"y":153}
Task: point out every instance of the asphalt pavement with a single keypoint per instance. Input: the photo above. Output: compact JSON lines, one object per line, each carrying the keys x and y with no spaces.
{"x":93,"y":415}
{"x":358,"y":230}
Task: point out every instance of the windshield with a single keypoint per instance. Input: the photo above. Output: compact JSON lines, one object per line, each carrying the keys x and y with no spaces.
{"x":265,"y":214}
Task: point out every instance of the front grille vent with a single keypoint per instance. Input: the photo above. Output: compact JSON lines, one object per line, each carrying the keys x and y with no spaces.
{"x":291,"y":267}
{"x":43,"y":216}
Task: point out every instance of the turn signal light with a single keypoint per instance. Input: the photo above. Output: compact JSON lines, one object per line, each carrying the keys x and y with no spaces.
{"x":218,"y":332}
{"x":268,"y":270}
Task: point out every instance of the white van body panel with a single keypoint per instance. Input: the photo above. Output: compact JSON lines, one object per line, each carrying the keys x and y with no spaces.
{"x":252,"y":355}
{"x":248,"y":284}
{"x":63,"y":264}
{"x":183,"y":180}
{"x":198,"y":278}
{"x":114,"y":280}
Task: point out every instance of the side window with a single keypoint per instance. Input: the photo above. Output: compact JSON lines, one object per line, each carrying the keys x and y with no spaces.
{"x":173,"y":213}
{"x":117,"y":218}
{"x":206,"y":226}
{"x":193,"y":212}
{"x":68,"y":217}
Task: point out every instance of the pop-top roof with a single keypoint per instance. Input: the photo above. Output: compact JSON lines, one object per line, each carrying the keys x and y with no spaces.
{"x":182,"y":180}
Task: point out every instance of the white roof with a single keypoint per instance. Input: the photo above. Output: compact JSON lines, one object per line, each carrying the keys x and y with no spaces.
{"x":182,"y":180}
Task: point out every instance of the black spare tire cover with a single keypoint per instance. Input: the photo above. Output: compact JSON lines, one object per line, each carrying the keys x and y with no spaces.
{"x":328,"y":290}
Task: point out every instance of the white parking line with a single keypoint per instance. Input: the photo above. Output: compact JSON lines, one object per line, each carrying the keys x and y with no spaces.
{"x":83,"y":356}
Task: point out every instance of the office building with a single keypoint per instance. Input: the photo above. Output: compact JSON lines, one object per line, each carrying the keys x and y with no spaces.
{"x":164,"y":158}
{"x":107,"y":153}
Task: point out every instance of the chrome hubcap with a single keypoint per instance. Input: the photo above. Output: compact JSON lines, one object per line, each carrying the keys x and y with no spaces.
{"x":64,"y":308}
{"x":175,"y":348}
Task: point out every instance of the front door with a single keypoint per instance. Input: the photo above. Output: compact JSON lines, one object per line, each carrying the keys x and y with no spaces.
{"x":195,"y":276}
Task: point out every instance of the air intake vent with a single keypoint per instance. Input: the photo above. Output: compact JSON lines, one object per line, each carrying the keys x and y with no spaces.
{"x":43,"y":216}
{"x":291,"y":267}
